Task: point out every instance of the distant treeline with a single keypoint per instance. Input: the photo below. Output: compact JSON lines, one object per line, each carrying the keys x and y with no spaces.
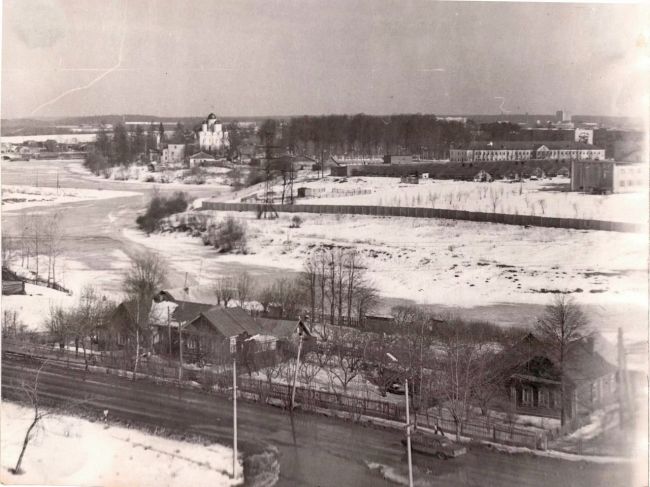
{"x":370,"y":135}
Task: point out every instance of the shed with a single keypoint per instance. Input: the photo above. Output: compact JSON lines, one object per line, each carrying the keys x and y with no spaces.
{"x":200,"y":158}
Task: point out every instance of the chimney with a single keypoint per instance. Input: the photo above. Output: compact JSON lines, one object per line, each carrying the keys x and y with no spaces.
{"x":590,"y":343}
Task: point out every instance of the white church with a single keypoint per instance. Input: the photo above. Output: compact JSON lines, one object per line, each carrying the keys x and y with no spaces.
{"x":212,"y":136}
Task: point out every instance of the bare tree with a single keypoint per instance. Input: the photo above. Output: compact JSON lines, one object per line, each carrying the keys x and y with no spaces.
{"x":244,"y":286}
{"x":365,"y":299}
{"x":142,"y":280}
{"x":345,"y":355}
{"x":31,"y":391}
{"x":35,"y":237}
{"x":457,"y":373}
{"x":53,"y":235}
{"x":9,"y":248}
{"x":309,"y":279}
{"x":265,"y":297}
{"x":495,"y":198}
{"x":86,"y":317}
{"x":562,"y":326}
{"x":224,"y":289}
{"x":309,"y":368}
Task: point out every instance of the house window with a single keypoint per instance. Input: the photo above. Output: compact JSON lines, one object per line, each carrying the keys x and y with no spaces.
{"x":527,"y":396}
{"x":557,"y":399}
{"x":543,"y":398}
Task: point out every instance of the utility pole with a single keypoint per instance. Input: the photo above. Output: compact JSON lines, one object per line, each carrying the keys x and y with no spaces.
{"x":169,"y":333}
{"x":295,"y":372}
{"x":408,"y":422}
{"x":234,"y":416}
{"x":408,"y":433}
{"x":623,"y":391}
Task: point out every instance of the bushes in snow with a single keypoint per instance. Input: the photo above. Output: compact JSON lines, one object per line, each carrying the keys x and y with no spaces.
{"x":228,"y":235}
{"x":161,"y":207}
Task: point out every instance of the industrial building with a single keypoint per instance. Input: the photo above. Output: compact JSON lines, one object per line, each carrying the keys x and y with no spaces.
{"x":608,"y":176}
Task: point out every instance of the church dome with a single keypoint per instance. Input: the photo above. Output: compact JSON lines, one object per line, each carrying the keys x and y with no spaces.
{"x":212,"y":116}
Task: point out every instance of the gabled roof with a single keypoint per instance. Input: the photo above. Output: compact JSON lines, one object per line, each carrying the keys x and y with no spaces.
{"x":230,"y":322}
{"x":188,"y":310}
{"x":202,"y":155}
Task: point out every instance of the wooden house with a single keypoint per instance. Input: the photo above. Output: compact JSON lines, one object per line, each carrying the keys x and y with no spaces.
{"x":218,"y":331}
{"x":533,"y":380}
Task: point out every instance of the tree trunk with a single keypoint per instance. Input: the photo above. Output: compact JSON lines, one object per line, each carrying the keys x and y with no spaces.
{"x":137,"y":352}
{"x":17,"y":470}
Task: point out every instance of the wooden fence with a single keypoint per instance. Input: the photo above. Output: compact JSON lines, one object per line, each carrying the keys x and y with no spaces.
{"x":414,"y":212}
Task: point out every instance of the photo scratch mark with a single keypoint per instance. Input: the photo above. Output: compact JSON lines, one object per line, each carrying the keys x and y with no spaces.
{"x":95,"y":80}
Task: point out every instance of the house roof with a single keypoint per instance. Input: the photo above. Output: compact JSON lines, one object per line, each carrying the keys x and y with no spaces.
{"x":278,"y":328}
{"x":202,"y":155}
{"x":585,"y":365}
{"x":231,"y":321}
{"x":188,"y":310}
{"x":582,"y":364}
{"x":282,"y":328}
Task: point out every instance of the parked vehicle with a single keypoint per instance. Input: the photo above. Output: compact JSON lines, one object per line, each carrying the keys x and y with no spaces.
{"x":435,"y":445}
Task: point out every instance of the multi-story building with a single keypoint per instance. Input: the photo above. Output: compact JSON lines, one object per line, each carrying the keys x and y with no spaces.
{"x":522,"y":151}
{"x":608,"y":176}
{"x":173,"y":154}
{"x":212,"y":136}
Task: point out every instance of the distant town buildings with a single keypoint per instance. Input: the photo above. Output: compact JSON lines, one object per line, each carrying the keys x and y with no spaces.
{"x":523,"y":151}
{"x":212,"y":136}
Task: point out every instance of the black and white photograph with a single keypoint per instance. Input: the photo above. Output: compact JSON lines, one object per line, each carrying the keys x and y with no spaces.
{"x":324,"y":243}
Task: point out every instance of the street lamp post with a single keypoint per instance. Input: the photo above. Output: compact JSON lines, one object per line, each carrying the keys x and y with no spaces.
{"x":408,"y":423}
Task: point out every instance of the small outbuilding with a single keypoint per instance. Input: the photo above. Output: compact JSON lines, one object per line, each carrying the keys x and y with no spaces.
{"x":201,"y":158}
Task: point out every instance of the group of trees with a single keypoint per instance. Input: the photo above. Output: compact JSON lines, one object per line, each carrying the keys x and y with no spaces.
{"x":129,"y":144}
{"x":336,"y":286}
{"x":79,"y":322}
{"x":37,"y":243}
{"x":368,"y":135}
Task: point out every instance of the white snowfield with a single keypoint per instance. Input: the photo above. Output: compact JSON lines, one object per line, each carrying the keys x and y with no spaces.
{"x":21,"y":197}
{"x":440,"y":261}
{"x":33,"y":308}
{"x":547,"y":197}
{"x":72,"y":451}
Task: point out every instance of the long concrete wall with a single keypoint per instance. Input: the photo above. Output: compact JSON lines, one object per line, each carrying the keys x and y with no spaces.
{"x":475,"y":216}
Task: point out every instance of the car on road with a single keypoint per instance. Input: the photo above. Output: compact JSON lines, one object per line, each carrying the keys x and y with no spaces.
{"x":436,"y":445}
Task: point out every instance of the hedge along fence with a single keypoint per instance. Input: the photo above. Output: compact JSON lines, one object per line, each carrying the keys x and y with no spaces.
{"x":419,"y":212}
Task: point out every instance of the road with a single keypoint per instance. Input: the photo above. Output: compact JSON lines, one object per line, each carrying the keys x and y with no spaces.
{"x":303,"y":449}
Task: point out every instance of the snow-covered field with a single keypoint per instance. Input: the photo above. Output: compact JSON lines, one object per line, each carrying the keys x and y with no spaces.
{"x":21,"y":197}
{"x":33,"y":308}
{"x":442,"y":261}
{"x":72,"y":451}
{"x":547,"y":197}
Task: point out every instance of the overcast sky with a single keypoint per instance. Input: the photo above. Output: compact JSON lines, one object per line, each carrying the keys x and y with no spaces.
{"x":266,"y":57}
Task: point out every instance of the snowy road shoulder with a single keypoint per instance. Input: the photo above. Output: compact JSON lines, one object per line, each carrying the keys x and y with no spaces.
{"x":71,"y":451}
